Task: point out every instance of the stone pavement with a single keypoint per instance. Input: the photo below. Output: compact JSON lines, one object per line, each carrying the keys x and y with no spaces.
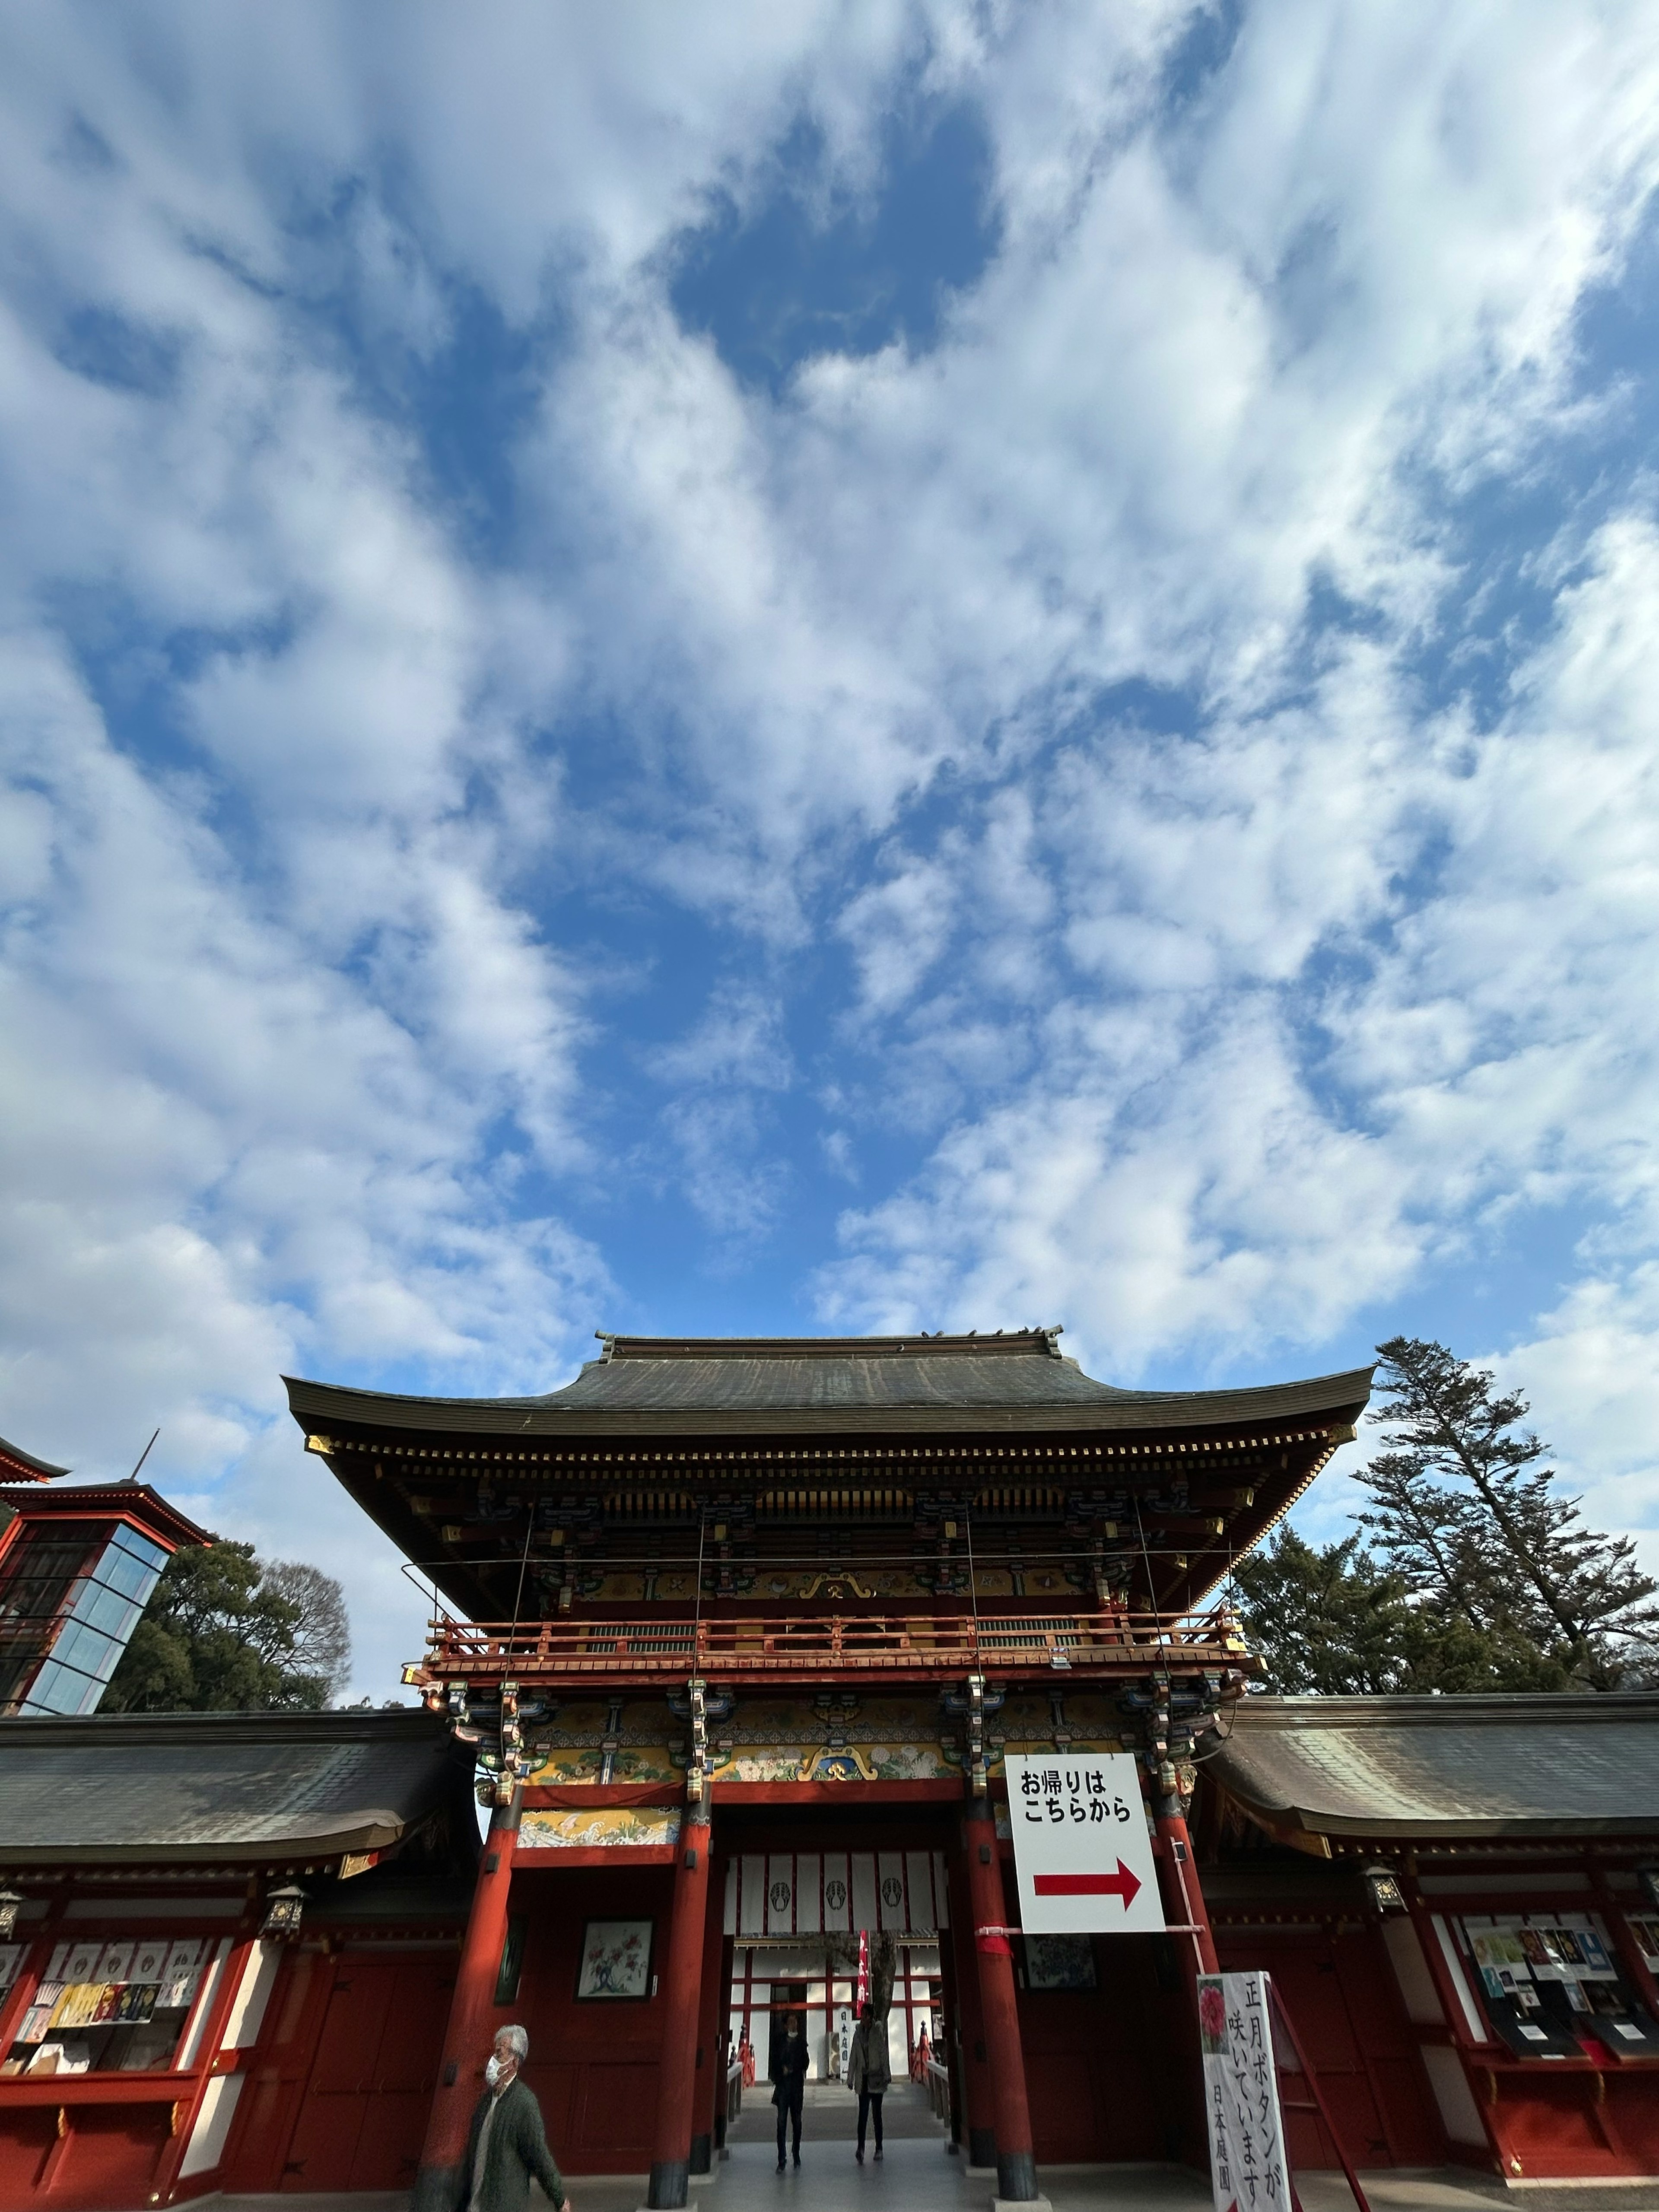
{"x":918,"y":2175}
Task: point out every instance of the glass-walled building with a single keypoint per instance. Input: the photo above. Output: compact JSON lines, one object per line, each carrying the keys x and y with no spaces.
{"x":78,"y":1567}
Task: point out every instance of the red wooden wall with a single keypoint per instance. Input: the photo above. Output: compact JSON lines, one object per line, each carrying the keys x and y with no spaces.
{"x":1340,"y":1993}
{"x":342,"y":2082}
{"x":592,"y":2064}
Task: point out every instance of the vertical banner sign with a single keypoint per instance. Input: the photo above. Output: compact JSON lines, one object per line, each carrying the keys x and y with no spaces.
{"x":1082,"y":1849}
{"x":1241,"y":2091}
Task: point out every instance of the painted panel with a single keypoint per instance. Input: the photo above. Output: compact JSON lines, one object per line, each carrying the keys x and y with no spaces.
{"x":890,"y":1891}
{"x":609,"y":1828}
{"x":837,"y":1894}
{"x":781,"y":1894}
{"x":729,"y":1919}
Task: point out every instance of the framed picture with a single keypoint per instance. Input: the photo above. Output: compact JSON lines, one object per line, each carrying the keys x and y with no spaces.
{"x":616,"y":1959}
{"x":1060,"y":1962}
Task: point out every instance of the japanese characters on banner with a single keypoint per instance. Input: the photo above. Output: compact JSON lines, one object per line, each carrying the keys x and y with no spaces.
{"x":1083,"y":1850}
{"x":1247,"y":2171}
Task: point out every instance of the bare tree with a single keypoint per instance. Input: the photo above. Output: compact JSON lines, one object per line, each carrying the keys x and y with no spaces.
{"x":322,"y":1630}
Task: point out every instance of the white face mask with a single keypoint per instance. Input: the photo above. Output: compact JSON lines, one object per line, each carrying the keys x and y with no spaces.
{"x":493,"y":2070}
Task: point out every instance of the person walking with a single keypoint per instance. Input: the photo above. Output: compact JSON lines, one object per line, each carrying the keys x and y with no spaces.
{"x":789,"y":2082}
{"x":507,"y":2142}
{"x":868,"y":2072}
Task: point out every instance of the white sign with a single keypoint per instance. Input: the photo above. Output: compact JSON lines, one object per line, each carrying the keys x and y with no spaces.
{"x":1082,"y":1850}
{"x":1241,"y":2090}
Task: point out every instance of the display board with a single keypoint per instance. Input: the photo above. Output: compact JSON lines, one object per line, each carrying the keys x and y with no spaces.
{"x":1247,"y":2168}
{"x":1083,"y":1851}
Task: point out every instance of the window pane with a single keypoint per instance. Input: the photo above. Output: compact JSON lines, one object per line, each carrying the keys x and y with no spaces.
{"x":107,"y":1609}
{"x":124,"y":1573}
{"x":141,"y":1548}
{"x":59,"y":1689}
{"x":82,"y":1647}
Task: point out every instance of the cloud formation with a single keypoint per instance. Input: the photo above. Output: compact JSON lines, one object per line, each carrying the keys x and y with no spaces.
{"x":1114,"y":782}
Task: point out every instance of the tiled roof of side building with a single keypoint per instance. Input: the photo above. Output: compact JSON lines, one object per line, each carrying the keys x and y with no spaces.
{"x":688,"y":1385}
{"x":218,"y":1788}
{"x":1427,"y":1767}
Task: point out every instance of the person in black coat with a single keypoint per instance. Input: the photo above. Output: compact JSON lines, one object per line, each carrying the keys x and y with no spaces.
{"x":789,"y":2080}
{"x":507,"y":2143}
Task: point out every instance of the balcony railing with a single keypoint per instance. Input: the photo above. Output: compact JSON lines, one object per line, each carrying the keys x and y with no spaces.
{"x":831,"y":1646}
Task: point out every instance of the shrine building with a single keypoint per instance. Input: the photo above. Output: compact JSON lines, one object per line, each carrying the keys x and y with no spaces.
{"x":731,"y":1636}
{"x":742,"y":1627}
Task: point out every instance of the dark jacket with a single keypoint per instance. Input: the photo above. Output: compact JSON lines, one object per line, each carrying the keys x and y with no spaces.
{"x":867,"y":2066}
{"x":789,"y":2068}
{"x":517,"y":2148}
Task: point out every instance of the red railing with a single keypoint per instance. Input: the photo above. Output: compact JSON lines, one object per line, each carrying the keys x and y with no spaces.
{"x":832,"y":1645}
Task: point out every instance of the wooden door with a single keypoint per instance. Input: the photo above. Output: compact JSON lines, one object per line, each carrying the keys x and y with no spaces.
{"x":405,"y":2074}
{"x":325,"y":2136}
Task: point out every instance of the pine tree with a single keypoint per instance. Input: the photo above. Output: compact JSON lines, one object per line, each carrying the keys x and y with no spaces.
{"x":1336,"y":1623}
{"x":1463,"y":1511}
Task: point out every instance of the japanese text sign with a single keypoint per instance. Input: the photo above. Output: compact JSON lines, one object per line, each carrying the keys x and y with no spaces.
{"x":1082,"y":1850}
{"x":1241,"y":2091}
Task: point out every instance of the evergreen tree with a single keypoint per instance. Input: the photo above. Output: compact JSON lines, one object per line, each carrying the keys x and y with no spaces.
{"x":224,"y":1633}
{"x":1336,"y":1623}
{"x":1464,"y":1514}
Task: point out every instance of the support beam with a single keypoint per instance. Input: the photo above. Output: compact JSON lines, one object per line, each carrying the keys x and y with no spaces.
{"x":1015,"y":2162}
{"x":670,"y":2154}
{"x":472,"y":2018}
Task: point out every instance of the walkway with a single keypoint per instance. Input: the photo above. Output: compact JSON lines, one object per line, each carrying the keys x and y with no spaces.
{"x":919,"y":2175}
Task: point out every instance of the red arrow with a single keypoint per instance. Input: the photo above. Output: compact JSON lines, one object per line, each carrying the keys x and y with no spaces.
{"x":1123,"y":1884}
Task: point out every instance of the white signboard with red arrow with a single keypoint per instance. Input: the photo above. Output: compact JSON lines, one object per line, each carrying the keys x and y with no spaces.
{"x":1082,"y":1849}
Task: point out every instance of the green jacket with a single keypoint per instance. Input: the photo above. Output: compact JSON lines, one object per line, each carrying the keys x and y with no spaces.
{"x":517,"y":2148}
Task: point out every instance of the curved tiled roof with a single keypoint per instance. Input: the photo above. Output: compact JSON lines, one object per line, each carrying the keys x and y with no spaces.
{"x":222,"y":1788}
{"x":694,"y":1385}
{"x":1454,"y":1767}
{"x":13,"y":1460}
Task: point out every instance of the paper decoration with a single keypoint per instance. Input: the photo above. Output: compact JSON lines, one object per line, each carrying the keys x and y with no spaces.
{"x":149,"y":1958}
{"x":115,"y":1963}
{"x":1247,"y":2168}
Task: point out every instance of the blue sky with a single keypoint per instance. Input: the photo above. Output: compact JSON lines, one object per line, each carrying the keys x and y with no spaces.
{"x":835,"y":668}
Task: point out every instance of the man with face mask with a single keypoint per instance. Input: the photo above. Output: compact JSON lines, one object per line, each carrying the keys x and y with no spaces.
{"x":789,"y":2074}
{"x":507,"y":2142}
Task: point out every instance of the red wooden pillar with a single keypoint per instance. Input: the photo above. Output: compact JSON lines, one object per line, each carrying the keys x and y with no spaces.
{"x":670,"y":2156}
{"x":1184,"y":1894}
{"x":1016,"y":2163}
{"x":710,"y":2088}
{"x":977,"y":2116}
{"x":471,"y":2026}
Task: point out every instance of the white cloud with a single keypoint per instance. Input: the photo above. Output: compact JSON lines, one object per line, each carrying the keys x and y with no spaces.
{"x":1205,"y":1039}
